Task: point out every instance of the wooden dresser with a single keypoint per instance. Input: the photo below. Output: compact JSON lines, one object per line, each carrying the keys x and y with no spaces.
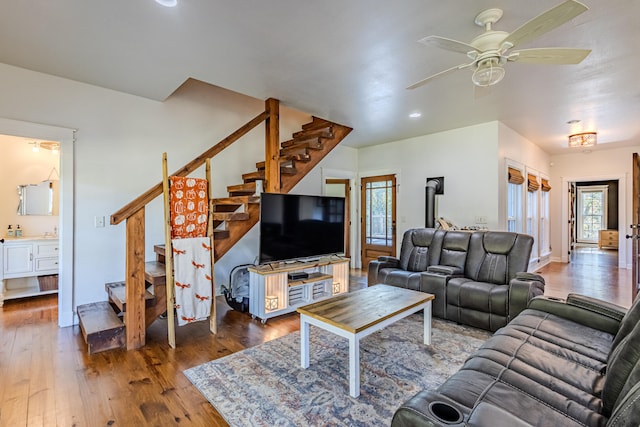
{"x":608,"y":239}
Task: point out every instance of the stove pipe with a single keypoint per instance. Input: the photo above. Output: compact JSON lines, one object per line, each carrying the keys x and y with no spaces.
{"x":434,"y":186}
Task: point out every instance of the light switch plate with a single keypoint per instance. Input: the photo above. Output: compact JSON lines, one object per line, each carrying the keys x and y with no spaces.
{"x":99,"y":221}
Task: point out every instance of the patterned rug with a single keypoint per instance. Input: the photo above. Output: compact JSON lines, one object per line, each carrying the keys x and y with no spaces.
{"x":265,"y":385}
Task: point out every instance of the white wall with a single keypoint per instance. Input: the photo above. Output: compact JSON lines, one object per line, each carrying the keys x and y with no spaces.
{"x":119,"y":142}
{"x":600,"y":164}
{"x":19,"y":165}
{"x":465,"y":157}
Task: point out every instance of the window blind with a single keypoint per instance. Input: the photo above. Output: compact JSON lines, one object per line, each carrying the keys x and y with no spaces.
{"x":545,"y":185}
{"x":532,"y":183}
{"x":515,"y":176}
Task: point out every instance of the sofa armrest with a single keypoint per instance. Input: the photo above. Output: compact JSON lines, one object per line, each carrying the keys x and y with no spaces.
{"x":596,"y":314}
{"x":376,"y":265}
{"x":429,"y":409}
{"x":486,"y":414}
{"x":445,"y":270}
{"x":392,"y":261}
{"x":597,"y":305}
{"x":522,"y":289}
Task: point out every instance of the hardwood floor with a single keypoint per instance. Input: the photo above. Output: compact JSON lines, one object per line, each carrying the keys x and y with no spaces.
{"x":591,"y":272}
{"x":47,"y":378}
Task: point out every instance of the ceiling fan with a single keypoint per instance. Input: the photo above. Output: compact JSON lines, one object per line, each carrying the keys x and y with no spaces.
{"x":491,"y":50}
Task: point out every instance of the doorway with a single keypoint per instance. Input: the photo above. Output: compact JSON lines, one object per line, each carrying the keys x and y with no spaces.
{"x":66,"y":138}
{"x":634,"y":233}
{"x":582,"y":221}
{"x":340,"y":187}
{"x":378,"y":217}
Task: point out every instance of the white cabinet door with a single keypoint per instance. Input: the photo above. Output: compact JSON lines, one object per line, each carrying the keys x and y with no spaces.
{"x":18,"y":259}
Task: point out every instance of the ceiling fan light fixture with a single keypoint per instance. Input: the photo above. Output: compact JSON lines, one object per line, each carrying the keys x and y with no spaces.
{"x":583,"y":139}
{"x":488,"y":73}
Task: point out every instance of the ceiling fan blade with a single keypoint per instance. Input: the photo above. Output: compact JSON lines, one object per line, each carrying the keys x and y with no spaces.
{"x":545,"y":22}
{"x":550,"y":55}
{"x":448,"y":44}
{"x":441,"y":73}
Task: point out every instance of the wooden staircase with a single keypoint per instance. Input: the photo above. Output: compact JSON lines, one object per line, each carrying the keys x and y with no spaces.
{"x":103,"y":324}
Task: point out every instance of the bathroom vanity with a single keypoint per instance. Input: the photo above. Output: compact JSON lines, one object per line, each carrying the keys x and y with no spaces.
{"x":30,"y":267}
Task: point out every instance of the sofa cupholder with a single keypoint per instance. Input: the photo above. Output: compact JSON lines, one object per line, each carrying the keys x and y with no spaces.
{"x":445,"y":412}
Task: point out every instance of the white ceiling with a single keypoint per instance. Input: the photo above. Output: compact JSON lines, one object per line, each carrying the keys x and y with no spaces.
{"x":347,"y":61}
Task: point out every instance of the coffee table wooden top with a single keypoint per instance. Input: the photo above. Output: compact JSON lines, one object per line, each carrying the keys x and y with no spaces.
{"x":359,"y":310}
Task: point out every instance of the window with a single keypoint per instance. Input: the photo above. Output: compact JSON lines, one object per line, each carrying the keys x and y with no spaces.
{"x":543,"y":232}
{"x":514,"y":199}
{"x":532,"y":212}
{"x":592,"y":212}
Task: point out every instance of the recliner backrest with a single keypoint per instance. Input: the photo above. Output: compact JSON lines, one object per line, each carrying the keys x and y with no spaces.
{"x":629,"y":321}
{"x":620,"y":365}
{"x":420,"y":248}
{"x":455,"y":246}
{"x":496,"y":256}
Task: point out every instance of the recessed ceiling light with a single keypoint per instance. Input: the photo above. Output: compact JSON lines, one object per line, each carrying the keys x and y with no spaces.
{"x":573,"y":122}
{"x":415,"y":115}
{"x":167,"y":3}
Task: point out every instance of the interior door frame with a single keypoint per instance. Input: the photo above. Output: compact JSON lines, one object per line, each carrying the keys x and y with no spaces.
{"x":347,"y":195}
{"x":66,"y":138}
{"x":634,"y":233}
{"x":394,"y":214}
{"x":353,"y":208}
{"x":622,"y":212}
{"x":356,"y":251}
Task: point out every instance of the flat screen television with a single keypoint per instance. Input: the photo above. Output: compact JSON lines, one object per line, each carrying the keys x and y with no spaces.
{"x":294,"y":226}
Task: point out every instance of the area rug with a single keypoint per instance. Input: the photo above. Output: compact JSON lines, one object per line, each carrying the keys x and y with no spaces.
{"x":265,"y":385}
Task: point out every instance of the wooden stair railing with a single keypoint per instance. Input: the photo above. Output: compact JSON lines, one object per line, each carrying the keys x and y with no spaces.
{"x":284,"y":166}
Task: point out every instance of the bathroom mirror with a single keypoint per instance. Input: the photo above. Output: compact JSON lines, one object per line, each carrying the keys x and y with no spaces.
{"x":38,"y":199}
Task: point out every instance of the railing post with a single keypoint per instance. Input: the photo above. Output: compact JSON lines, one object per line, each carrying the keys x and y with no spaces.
{"x":135,"y":283}
{"x":272,"y":146}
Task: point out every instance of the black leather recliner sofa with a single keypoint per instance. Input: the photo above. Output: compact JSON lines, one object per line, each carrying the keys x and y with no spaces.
{"x":558,"y":363}
{"x":478,"y":278}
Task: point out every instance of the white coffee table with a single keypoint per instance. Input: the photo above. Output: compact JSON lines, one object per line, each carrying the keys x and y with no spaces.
{"x":358,"y":314}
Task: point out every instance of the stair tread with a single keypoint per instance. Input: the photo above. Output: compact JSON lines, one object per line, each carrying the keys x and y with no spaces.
{"x":300,"y":146}
{"x":245,"y":186}
{"x":316,"y":123}
{"x":230,"y":216}
{"x":222,"y":208}
{"x":312,"y":142}
{"x":101,"y":327}
{"x":253,"y":176}
{"x":325,"y":131}
{"x":154,"y":269}
{"x":284,"y":170}
{"x":118,"y":294}
{"x":261,"y":165}
{"x":97,"y":317}
{"x":245,"y":189}
{"x":239,"y":200}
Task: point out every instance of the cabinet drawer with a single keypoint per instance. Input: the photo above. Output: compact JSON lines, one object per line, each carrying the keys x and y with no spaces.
{"x":45,"y":250}
{"x":46,"y":264}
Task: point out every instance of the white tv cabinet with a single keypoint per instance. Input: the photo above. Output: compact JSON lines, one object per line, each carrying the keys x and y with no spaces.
{"x":272,"y":293}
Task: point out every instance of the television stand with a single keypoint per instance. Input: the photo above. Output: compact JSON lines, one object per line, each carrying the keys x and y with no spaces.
{"x":273,"y":293}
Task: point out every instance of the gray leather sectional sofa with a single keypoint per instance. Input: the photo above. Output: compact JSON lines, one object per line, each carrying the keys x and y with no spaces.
{"x":478,"y":278}
{"x":558,"y":363}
